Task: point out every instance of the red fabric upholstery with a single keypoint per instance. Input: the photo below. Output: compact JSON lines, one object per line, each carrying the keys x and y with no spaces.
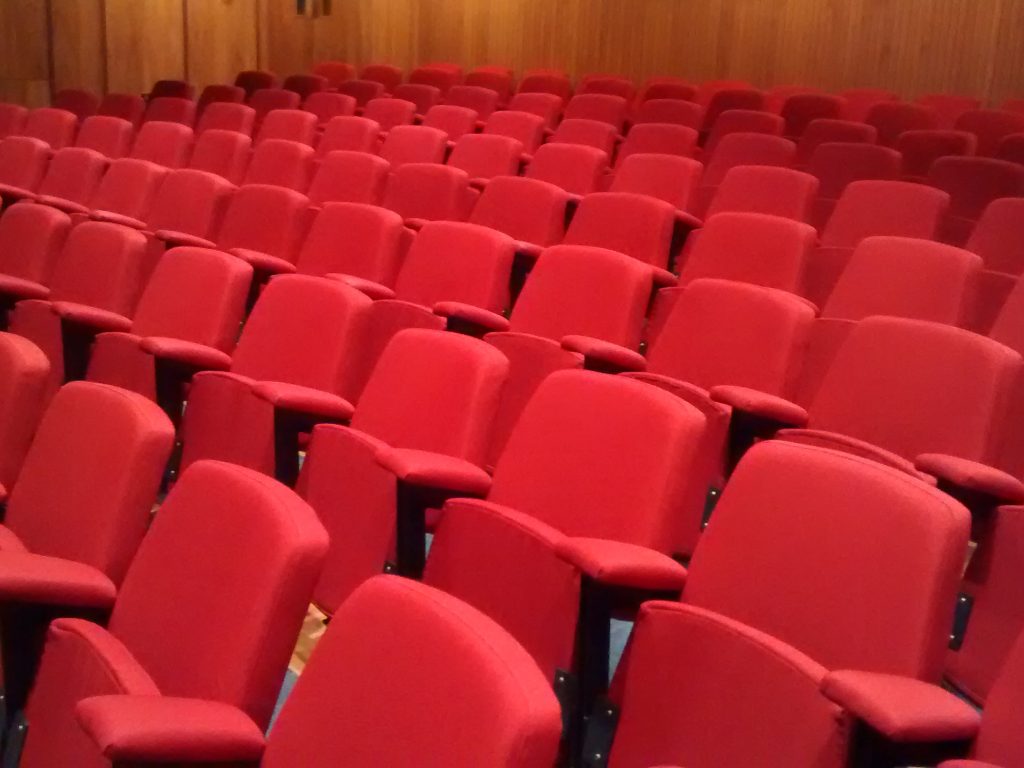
{"x":972,"y":476}
{"x":761,"y":404}
{"x":190,"y":353}
{"x":170,"y":109}
{"x":575,"y":168}
{"x":225,"y":116}
{"x":764,"y":189}
{"x":827,"y":130}
{"x":292,"y":397}
{"x":742,"y":121}
{"x":484,"y":156}
{"x":435,"y":470}
{"x":901,"y":708}
{"x":73,"y":175}
{"x":990,"y":126}
{"x":303,"y":331}
{"x":743,"y":149}
{"x":166,"y":144}
{"x":83,"y":103}
{"x":165,"y":729}
{"x":547,"y":106}
{"x":670,"y":111}
{"x":949,"y":107}
{"x":83,"y":314}
{"x":191,"y":202}
{"x":326,"y":105}
{"x":251,"y":80}
{"x":972,"y":183}
{"x":837,"y":164}
{"x":359,"y":240}
{"x":355,"y":134}
{"x":281,"y":163}
{"x":504,"y":715}
{"x":801,"y":109}
{"x":996,"y":238}
{"x":468,"y":313}
{"x":1001,"y":738}
{"x":110,"y":136}
{"x":609,"y":84}
{"x":600,"y":107}
{"x":391,"y":112}
{"x":525,"y":209}
{"x":922,"y":148}
{"x":388,"y":76}
{"x":627,"y":565}
{"x":90,"y":477}
{"x":54,"y":126}
{"x":632,"y":224}
{"x":844,"y":515}
{"x":81,"y":659}
{"x":597,"y":134}
{"x":128,"y":187}
{"x":665,"y":177}
{"x":893,"y":119}
{"x":127,"y":106}
{"x":658,"y":138}
{"x":12,"y":119}
{"x":23,"y":162}
{"x":525,"y":127}
{"x":31,"y":237}
{"x":31,"y":578}
{"x":413,"y":144}
{"x":865,"y":389}
{"x":854,"y":447}
{"x":728,"y":97}
{"x":288,"y":124}
{"x":266,"y":219}
{"x":495,"y":78}
{"x":225,"y":153}
{"x":23,"y":391}
{"x":481,"y":100}
{"x":455,"y":121}
{"x":770,"y":713}
{"x":555,"y":83}
{"x":602,"y":354}
{"x":429,"y":191}
{"x":345,"y":176}
{"x":266,"y":99}
{"x":667,"y":88}
{"x":584,"y":291}
{"x":751,"y":248}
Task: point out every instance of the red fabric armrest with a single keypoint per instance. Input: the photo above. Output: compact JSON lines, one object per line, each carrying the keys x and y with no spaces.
{"x":305,"y":400}
{"x":605,"y":354}
{"x":91,"y":316}
{"x":616,"y":563}
{"x":663,"y":278}
{"x":174,"y":238}
{"x":372,"y":289}
{"x":761,"y":404}
{"x":263,"y":262}
{"x":415,"y":223}
{"x":968,"y":764}
{"x":902,"y":709}
{"x":435,"y":470}
{"x":467,"y":313}
{"x":160,"y":729}
{"x":688,"y":220}
{"x":3,"y":493}
{"x":30,"y":578}
{"x":118,"y":218}
{"x":976,"y":478}
{"x":187,"y":353}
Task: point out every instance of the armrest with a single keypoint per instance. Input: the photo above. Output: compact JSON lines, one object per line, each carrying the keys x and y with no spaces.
{"x":663,"y":278}
{"x":92,"y":317}
{"x":978,"y":486}
{"x":438,"y":471}
{"x":174,"y":238}
{"x":304,"y":400}
{"x":760,"y":404}
{"x":186,"y":353}
{"x":26,"y":577}
{"x":476,"y":320}
{"x":600,"y":355}
{"x":372,"y":289}
{"x":117,"y":218}
{"x":755,"y":416}
{"x":901,"y":708}
{"x":415,"y":223}
{"x":160,"y":730}
{"x":618,"y":564}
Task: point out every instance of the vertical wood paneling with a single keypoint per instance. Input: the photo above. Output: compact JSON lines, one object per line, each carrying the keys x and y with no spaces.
{"x":145,"y":43}
{"x":910,"y":46}
{"x":79,"y":57}
{"x":222,"y":39}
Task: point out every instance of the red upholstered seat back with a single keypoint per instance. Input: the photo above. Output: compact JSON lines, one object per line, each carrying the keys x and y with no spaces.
{"x":128,"y":187}
{"x":226,"y":116}
{"x":111,"y":136}
{"x":302,"y":331}
{"x":998,"y":237}
{"x":892,"y":119}
{"x":664,"y":177}
{"x":54,"y":126}
{"x":525,"y":209}
{"x":192,"y":202}
{"x":747,"y":149}
{"x":167,"y":144}
{"x":600,"y":456}
{"x":211,"y":620}
{"x":281,"y":163}
{"x":660,"y":138}
{"x":346,"y":132}
{"x":765,"y":189}
{"x":484,"y":156}
{"x":873,"y":207}
{"x":1001,"y":740}
{"x":390,"y":112}
{"x":22,"y":398}
{"x":862,"y":568}
{"x":91,"y":476}
{"x":23,"y":161}
{"x":354,"y":239}
{"x":575,"y":168}
{"x":429,"y":191}
{"x":916,"y":387}
{"x":577,"y":290}
{"x":74,"y":174}
{"x":527,"y":127}
{"x":414,"y":144}
{"x":31,"y":237}
{"x":724,"y":332}
{"x":465,"y":693}
{"x":265,"y":218}
{"x":636,"y":225}
{"x":225,"y":153}
{"x":345,"y":176}
{"x":289,"y":124}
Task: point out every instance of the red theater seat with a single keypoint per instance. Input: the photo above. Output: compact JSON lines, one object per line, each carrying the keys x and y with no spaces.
{"x":389,"y":112}
{"x":72,"y":178}
{"x":922,"y":148}
{"x":23,"y":163}
{"x":363,"y":91}
{"x":421,"y":95}
{"x":414,"y":144}
{"x":590,"y":133}
{"x":737,"y":149}
{"x":658,"y":138}
{"x":127,"y":106}
{"x":151,"y":647}
{"x":484,"y":156}
{"x":325,"y":105}
{"x":288,"y":124}
{"x":23,"y":390}
{"x":169,"y":109}
{"x":663,"y":177}
{"x":174,"y":89}
{"x":495,"y":681}
{"x":12,"y":119}
{"x":295,"y":364}
{"x":667,"y":88}
{"x":800,"y":109}
{"x":389,"y":77}
{"x":860,"y":101}
{"x":765,"y":189}
{"x":56,"y":127}
{"x":31,"y":237}
{"x":253,"y":80}
{"x":281,"y":163}
{"x":227,"y":116}
{"x":972,"y":183}
{"x":422,"y":192}
{"x":530,"y":211}
{"x":264,"y":226}
{"x":948,"y":107}
{"x":225,"y":153}
{"x":127,"y":190}
{"x":265,"y":100}
{"x":599,"y":107}
{"x":75,"y":517}
{"x":166,"y":144}
{"x":483,"y":101}
{"x":893,"y":119}
{"x":356,"y":134}
{"x":456,"y":122}
{"x":671,"y":111}
{"x":497,"y":79}
{"x":187,"y":320}
{"x":825,"y":131}
{"x":335,"y":72}
{"x":545,"y":105}
{"x":781,"y":666}
{"x":727,"y":99}
{"x":612,"y":85}
{"x":868,"y":208}
{"x":305,"y":85}
{"x":551,"y":83}
{"x":742,"y":121}
{"x":110,"y":136}
{"x":423,"y":420}
{"x":576,"y":168}
{"x":349,"y":177}
{"x":837,"y":164}
{"x":78,"y":101}
{"x":990,"y":126}
{"x":525,"y":127}
{"x":216,"y":94}
{"x":999,"y":239}
{"x":439,"y":76}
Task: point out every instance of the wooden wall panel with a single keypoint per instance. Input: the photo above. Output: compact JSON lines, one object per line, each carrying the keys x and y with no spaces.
{"x":910,"y":46}
{"x":222,"y":39}
{"x":78,"y":44}
{"x":24,"y":54}
{"x":145,"y":43}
